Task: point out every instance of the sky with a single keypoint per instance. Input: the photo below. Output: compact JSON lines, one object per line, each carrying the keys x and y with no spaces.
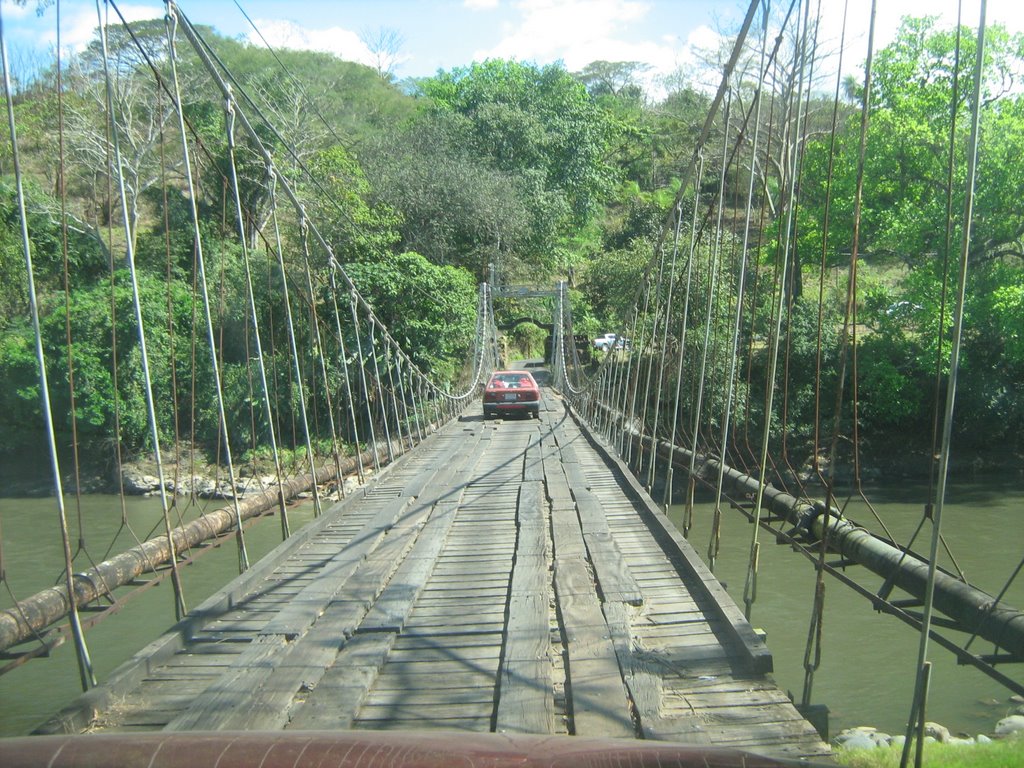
{"x":437,"y":35}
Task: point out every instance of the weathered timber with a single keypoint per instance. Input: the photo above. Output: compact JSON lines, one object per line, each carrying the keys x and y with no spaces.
{"x":526,"y":698}
{"x":491,"y":613}
{"x":600,"y":703}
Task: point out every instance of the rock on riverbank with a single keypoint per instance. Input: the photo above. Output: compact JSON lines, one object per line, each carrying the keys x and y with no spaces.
{"x":866,"y":737}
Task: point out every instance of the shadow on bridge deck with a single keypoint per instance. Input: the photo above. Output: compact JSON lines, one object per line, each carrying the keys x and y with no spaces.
{"x":506,"y":576}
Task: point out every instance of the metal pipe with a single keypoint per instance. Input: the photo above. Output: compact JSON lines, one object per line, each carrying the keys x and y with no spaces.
{"x":37,"y":612}
{"x":974,"y":609}
{"x":358,"y":749}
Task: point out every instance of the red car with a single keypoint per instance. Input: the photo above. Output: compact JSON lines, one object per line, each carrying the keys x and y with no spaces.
{"x":512,"y":392}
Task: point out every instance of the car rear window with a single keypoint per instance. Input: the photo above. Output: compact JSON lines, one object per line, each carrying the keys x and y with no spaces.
{"x":513,"y":378}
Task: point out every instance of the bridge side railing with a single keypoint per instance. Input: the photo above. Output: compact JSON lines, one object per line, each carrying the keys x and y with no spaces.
{"x":380,"y":402}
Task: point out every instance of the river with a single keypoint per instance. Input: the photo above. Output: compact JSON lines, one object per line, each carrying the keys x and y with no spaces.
{"x":866,"y":674}
{"x":36,"y":690}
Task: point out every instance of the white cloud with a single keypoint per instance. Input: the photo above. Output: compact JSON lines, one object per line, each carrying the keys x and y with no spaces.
{"x":343,"y":43}
{"x":480,"y":5}
{"x":1009,"y":13}
{"x":12,"y":11}
{"x":79,"y":28}
{"x":577,"y":32}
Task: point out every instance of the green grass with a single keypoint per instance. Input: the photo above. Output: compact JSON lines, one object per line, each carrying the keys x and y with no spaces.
{"x":997,"y":754}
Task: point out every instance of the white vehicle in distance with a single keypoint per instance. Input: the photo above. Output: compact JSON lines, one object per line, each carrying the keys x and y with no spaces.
{"x":608,"y":340}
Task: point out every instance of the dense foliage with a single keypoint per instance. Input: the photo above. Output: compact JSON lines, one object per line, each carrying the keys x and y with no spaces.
{"x":497,"y":170}
{"x":909,"y":257}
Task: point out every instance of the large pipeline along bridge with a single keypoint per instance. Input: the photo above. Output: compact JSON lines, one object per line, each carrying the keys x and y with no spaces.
{"x":495,"y":591}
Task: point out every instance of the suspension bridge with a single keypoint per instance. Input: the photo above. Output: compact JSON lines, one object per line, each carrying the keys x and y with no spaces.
{"x":515,"y":577}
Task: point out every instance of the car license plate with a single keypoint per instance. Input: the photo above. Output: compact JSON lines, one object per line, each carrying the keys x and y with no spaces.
{"x":510,"y":396}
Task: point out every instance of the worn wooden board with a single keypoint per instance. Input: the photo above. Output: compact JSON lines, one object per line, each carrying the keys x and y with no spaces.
{"x":599,"y":701}
{"x":526,"y":697}
{"x":333,"y":703}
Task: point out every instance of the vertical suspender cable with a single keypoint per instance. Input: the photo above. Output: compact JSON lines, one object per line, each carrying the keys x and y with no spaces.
{"x":656,"y":313}
{"x":342,"y":353}
{"x":243,"y":240}
{"x":399,"y":359}
{"x":362,"y":375}
{"x":741,"y":279}
{"x":812,"y":652}
{"x":62,"y":190}
{"x":683,"y":327}
{"x":322,"y":358}
{"x":179,"y":599}
{"x":664,"y":350}
{"x":380,"y":388}
{"x":954,"y":368}
{"x":171,"y":24}
{"x":710,"y":311}
{"x":85,"y":671}
{"x":394,"y":393}
{"x":750,"y":586}
{"x":279,"y":249}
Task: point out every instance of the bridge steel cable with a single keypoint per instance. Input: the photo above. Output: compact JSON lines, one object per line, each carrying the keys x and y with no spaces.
{"x":920,"y":689}
{"x":709,"y":309}
{"x":179,"y":600}
{"x":713,"y":543}
{"x":813,"y":647}
{"x":735,"y":462}
{"x":320,"y":354}
{"x":750,"y":586}
{"x":415,"y":405}
{"x":202,"y":52}
{"x":243,"y":555}
{"x":292,"y":341}
{"x":261,"y":360}
{"x":85,"y":669}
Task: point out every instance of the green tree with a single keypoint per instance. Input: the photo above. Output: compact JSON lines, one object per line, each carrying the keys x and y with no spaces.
{"x":904,"y":224}
{"x":429,"y":309}
{"x":458,"y":209}
{"x":527,"y":118}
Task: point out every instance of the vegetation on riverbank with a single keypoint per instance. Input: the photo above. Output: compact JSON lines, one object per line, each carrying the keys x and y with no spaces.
{"x":996,"y":754}
{"x":519,"y":173}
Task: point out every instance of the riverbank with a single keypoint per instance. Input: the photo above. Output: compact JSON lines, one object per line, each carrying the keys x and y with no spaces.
{"x":186,"y":471}
{"x":996,"y":754}
{"x":868,"y":747}
{"x":1010,"y":728}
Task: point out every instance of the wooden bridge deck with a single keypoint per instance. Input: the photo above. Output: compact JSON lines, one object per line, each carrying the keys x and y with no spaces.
{"x":505,"y":576}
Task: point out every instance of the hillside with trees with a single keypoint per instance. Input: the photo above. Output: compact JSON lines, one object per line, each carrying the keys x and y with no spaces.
{"x":534,"y":172}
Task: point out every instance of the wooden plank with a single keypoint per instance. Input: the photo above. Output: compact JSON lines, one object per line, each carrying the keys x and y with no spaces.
{"x":441,"y":667}
{"x":451,"y":626}
{"x":533,"y":469}
{"x":410,"y":641}
{"x":430,"y":697}
{"x":424,"y":680}
{"x":467,"y":654}
{"x":257,"y":695}
{"x":410,"y":713}
{"x":333,"y":703}
{"x":642,"y":682}
{"x":438,"y":721}
{"x":526,"y":703}
{"x":231,"y":689}
{"x":688,"y":564}
{"x":594,"y":686}
{"x":525,"y":692}
{"x":613,"y":576}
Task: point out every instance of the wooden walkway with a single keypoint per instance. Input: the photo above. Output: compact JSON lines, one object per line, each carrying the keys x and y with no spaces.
{"x":505,"y":576}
